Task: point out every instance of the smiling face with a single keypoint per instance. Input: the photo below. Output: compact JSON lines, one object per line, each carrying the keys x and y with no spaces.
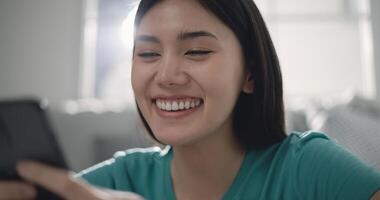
{"x":187,"y":73}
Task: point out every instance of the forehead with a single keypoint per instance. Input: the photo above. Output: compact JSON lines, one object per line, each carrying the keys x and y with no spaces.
{"x":178,"y":16}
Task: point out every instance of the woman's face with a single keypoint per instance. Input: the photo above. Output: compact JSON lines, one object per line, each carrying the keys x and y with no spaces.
{"x":187,"y":72}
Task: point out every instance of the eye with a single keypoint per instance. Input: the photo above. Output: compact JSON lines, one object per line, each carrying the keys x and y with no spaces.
{"x":198,"y":52}
{"x":148,"y":54}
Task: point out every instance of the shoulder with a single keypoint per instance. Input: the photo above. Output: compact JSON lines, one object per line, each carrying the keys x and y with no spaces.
{"x":310,"y":143}
{"x":124,"y":166}
{"x":298,"y":143}
{"x":313,"y":149}
{"x":141,"y":157}
{"x":290,"y":152}
{"x":309,"y":138}
{"x":143,"y":154}
{"x":336,"y":172}
{"x":130,"y":156}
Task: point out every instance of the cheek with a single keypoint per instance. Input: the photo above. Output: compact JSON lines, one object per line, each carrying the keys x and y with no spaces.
{"x":139,"y":81}
{"x":135,"y":82}
{"x":221,"y":86}
{"x":221,"y":76}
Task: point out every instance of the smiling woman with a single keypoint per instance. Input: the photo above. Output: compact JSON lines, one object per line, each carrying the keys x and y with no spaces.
{"x":186,"y":63}
{"x":208,"y":85}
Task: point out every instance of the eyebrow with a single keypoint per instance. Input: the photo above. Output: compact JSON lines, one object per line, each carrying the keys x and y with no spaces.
{"x":147,"y":38}
{"x":181,"y":37}
{"x":195,"y":34}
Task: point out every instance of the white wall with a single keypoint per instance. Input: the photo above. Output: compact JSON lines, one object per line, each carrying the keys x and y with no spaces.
{"x":40,"y":44}
{"x":375,"y":16}
{"x":39,"y":48}
{"x":39,"y":56}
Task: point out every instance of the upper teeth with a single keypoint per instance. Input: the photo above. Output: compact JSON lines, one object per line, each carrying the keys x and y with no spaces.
{"x":178,"y":104}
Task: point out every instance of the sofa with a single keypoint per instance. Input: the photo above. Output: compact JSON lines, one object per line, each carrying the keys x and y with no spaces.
{"x":90,"y":136}
{"x":352,"y":120}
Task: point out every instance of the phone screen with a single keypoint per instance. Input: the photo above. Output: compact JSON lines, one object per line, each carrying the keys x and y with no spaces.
{"x":25,"y":134}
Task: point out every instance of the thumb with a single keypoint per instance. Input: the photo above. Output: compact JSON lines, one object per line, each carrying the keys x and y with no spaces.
{"x":65,"y":185}
{"x":53,"y":179}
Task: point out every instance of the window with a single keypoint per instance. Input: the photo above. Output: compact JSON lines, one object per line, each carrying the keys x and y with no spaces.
{"x":324,"y":46}
{"x":107,"y":49}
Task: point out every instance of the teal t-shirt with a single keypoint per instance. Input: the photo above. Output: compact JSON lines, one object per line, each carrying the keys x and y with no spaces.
{"x":303,"y":166}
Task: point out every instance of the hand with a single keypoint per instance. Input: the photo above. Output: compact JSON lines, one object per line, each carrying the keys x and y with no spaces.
{"x":16,"y":190}
{"x":376,"y":196}
{"x":60,"y":182}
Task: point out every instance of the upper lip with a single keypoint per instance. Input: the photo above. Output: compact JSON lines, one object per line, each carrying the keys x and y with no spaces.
{"x":174,"y":97}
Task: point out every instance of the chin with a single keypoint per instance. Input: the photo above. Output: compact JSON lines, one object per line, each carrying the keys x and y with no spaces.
{"x":176,"y":138}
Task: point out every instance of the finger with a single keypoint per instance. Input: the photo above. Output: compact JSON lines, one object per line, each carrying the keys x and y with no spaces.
{"x":16,"y":190}
{"x":53,"y":179}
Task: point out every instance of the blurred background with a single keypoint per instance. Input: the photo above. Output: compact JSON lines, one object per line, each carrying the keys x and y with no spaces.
{"x":76,"y":54}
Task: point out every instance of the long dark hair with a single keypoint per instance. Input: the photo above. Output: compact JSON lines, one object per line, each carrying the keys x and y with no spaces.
{"x":258,"y":118}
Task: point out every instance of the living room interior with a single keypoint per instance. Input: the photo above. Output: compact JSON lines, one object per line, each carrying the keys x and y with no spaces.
{"x":76,"y":56}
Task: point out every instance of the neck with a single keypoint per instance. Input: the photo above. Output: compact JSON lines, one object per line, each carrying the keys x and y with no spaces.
{"x":205,"y":170}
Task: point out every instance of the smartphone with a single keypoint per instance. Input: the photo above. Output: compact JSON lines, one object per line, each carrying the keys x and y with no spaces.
{"x":26,"y":134}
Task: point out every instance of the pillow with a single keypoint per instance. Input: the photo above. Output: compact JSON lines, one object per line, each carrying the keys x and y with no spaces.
{"x":357,"y":131}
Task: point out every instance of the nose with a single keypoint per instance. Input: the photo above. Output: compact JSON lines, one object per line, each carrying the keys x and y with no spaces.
{"x":170,"y":72}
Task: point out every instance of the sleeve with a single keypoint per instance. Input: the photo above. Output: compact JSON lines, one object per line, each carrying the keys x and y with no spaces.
{"x":326,"y":170}
{"x":111,"y":174}
{"x":99,"y":175}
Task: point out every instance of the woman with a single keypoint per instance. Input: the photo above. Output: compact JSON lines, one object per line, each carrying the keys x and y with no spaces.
{"x":207,"y":84}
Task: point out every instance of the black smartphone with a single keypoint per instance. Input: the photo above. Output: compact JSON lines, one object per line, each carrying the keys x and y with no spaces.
{"x":26,"y":134}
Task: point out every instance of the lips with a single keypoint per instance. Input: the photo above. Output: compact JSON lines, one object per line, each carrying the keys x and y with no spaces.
{"x":176,"y":106}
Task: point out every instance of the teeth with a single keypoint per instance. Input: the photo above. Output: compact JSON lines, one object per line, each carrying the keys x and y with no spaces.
{"x":181,"y":105}
{"x":168,"y":107}
{"x":177,"y":105}
{"x":197,"y":102}
{"x":187,"y":104}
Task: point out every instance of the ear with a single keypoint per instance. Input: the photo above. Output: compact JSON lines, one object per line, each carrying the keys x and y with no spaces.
{"x":249,"y":84}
